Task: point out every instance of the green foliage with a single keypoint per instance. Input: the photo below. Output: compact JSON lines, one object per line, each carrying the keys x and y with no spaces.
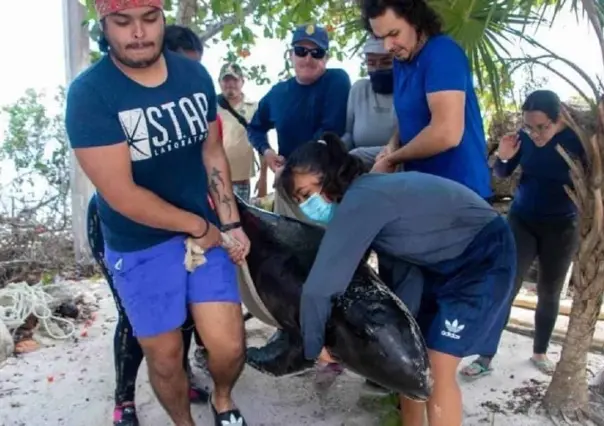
{"x":35,"y":143}
{"x":383,"y":407}
{"x":229,"y":20}
{"x":482,"y":27}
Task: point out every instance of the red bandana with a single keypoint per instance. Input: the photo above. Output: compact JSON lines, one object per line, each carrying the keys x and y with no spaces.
{"x":107,"y":7}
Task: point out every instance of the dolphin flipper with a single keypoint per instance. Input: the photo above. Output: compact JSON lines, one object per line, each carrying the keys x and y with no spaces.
{"x":283,"y":355}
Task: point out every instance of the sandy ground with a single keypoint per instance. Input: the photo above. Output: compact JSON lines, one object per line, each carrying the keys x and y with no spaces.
{"x":71,"y":383}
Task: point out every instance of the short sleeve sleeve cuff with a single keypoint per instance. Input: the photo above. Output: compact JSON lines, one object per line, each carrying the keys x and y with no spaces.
{"x":89,"y":120}
{"x":447,"y":66}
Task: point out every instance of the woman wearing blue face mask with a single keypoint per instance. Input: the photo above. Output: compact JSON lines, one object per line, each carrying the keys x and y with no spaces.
{"x":370,"y":118}
{"x":453,"y":259}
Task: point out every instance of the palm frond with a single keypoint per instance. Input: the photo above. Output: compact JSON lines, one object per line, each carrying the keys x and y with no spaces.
{"x":486,"y":30}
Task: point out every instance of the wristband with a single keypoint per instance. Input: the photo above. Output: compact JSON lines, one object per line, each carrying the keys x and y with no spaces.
{"x":230,"y":226}
{"x":204,"y":232}
{"x":499,"y":158}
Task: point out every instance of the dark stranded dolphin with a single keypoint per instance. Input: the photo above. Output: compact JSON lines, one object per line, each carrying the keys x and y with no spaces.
{"x":370,"y":331}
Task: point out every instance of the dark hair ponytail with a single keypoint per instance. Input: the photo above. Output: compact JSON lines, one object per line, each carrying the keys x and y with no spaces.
{"x":327,"y":158}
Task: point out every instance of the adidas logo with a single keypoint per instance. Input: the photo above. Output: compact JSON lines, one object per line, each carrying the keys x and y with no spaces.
{"x":233,"y":421}
{"x":452,"y":329}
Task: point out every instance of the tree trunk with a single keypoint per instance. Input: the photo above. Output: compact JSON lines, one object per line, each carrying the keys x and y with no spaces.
{"x":568,"y":394}
{"x":186,"y":12}
{"x":77,"y":55}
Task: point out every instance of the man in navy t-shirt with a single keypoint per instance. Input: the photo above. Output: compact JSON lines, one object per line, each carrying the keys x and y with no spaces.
{"x":142,"y":125}
{"x":301,"y":108}
{"x":440,"y":125}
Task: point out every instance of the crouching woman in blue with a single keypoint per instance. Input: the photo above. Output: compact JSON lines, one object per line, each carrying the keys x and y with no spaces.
{"x":463,"y":247}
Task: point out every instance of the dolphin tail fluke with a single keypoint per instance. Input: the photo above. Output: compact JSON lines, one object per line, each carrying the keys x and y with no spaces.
{"x":283,"y":355}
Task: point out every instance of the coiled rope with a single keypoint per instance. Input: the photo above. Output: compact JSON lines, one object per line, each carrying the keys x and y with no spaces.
{"x":18,"y":301}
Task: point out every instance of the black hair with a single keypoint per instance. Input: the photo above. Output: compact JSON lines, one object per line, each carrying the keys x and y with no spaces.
{"x":178,"y":38}
{"x":416,"y":12}
{"x":544,"y":101}
{"x":327,"y":158}
{"x":103,"y":43}
{"x":102,"y":40}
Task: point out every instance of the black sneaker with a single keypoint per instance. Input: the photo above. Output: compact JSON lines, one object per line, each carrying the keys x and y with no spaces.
{"x":228,"y":418}
{"x":125,"y":415}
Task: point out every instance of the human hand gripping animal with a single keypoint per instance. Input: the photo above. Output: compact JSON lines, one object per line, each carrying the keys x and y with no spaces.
{"x":195,"y":255}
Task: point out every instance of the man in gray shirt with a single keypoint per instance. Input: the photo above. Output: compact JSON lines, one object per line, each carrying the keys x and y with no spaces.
{"x":370,"y":118}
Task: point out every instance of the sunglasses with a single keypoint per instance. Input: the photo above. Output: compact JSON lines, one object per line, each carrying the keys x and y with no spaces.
{"x":316,"y":53}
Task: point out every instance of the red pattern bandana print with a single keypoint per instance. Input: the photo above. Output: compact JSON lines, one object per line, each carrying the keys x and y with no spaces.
{"x":107,"y":7}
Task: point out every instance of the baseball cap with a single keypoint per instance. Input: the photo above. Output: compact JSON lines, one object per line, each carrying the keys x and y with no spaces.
{"x":232,"y":70}
{"x":107,"y":7}
{"x":313,"y":33}
{"x":374,"y":45}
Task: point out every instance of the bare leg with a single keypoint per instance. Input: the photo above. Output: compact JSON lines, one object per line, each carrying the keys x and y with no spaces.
{"x":412,"y":413}
{"x":444,"y":406}
{"x":220,"y":326}
{"x":167,"y":376}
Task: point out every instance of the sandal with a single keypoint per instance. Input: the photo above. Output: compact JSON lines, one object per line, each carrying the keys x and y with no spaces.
{"x":475,"y":370}
{"x":231,"y":417}
{"x":545,"y":366}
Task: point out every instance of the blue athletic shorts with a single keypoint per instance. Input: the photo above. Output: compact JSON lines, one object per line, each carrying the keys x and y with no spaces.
{"x":156,"y":289}
{"x":463,"y":311}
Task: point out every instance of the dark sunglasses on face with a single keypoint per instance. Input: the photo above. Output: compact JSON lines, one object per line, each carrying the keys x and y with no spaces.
{"x":316,"y":53}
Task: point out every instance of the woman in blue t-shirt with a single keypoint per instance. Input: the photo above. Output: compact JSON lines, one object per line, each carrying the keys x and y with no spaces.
{"x":542,"y":216}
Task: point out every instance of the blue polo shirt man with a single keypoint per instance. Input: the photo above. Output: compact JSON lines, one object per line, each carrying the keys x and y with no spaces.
{"x":442,"y":65}
{"x":302,"y":107}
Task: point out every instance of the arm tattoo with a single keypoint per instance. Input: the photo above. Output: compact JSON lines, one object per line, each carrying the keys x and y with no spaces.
{"x":226,"y":200}
{"x":216,"y":181}
{"x":214,"y":186}
{"x":216,"y":176}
